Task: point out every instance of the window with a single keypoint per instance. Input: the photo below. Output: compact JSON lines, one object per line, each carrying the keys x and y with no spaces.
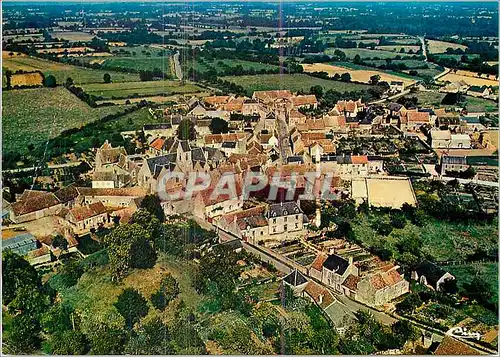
{"x":274,"y":220}
{"x":296,"y":225}
{"x":286,"y":219}
{"x":296,"y":216}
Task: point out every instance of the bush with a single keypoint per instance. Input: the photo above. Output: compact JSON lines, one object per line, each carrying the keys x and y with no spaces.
{"x":169,"y":289}
{"x":132,"y":306}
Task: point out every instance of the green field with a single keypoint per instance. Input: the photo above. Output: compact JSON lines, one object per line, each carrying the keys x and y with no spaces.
{"x":220,"y":65}
{"x":293,"y":82}
{"x":137,"y":89}
{"x":365,"y":53}
{"x":98,"y":132}
{"x":473,"y":104}
{"x":32,"y":116}
{"x":457,"y":57}
{"x":62,"y":71}
{"x":487,"y":271}
{"x":481,"y":105}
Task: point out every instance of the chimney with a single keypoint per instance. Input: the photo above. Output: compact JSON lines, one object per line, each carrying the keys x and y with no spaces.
{"x":350,"y":260}
{"x":320,"y":299}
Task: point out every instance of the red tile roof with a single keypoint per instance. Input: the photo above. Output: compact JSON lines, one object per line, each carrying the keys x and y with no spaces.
{"x":157,"y":143}
{"x":34,"y":202}
{"x":450,"y":346}
{"x":418,"y":117}
{"x":315,"y":291}
{"x":317,"y":264}
{"x":359,"y":159}
{"x":84,"y":212}
{"x":351,"y":282}
{"x":304,"y":100}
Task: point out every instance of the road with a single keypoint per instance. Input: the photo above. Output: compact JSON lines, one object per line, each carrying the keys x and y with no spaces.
{"x":177,"y":66}
{"x":424,"y":50}
{"x":58,"y":166}
{"x":283,"y":140}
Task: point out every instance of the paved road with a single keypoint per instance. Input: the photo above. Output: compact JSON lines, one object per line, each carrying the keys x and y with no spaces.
{"x":284,"y":142}
{"x":177,"y":66}
{"x":58,"y":166}
{"x":424,"y":50}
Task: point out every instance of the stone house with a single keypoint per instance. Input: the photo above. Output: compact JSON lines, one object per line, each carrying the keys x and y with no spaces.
{"x":453,"y":163}
{"x":381,"y":287}
{"x":285,"y":217}
{"x":335,"y":271}
{"x":85,"y":218}
{"x":431,"y":275}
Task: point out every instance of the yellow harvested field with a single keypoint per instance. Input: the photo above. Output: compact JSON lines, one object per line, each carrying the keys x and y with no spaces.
{"x":473,"y":81}
{"x":460,"y":72}
{"x":8,"y":54}
{"x":435,"y":46}
{"x":357,"y":75}
{"x":397,"y":48}
{"x":26,"y":79}
{"x":390,"y":192}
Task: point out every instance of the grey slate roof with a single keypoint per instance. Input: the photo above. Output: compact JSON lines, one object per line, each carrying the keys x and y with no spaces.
{"x":336,"y":263}
{"x":295,"y":278}
{"x":284,"y":209}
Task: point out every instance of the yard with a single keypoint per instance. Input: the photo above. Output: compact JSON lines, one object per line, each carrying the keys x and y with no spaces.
{"x":62,"y":71}
{"x":139,"y":89}
{"x":33,"y":116}
{"x":293,"y":82}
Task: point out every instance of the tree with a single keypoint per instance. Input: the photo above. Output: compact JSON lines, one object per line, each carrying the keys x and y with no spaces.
{"x":398,"y":220}
{"x":317,"y":91}
{"x":375,"y":79}
{"x":106,"y":78}
{"x":404,"y":331}
{"x":129,"y":247}
{"x":68,"y":342}
{"x":30,"y":301}
{"x":152,"y":339}
{"x":413,"y":73}
{"x":409,"y":304}
{"x":345,"y":77}
{"x":17,"y":273}
{"x":357,"y":59}
{"x":69,"y":82}
{"x":132,"y":306}
{"x":23,"y":336}
{"x":50,"y":81}
{"x":219,"y":126}
{"x":60,"y":242}
{"x":152,"y":204}
{"x":186,"y":130}
{"x":169,"y":289}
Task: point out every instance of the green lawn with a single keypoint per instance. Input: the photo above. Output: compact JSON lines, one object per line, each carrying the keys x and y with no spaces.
{"x":293,"y":82}
{"x":33,"y":116}
{"x":473,"y":104}
{"x":440,"y":240}
{"x":124,"y":90}
{"x":147,"y":64}
{"x":96,"y":293}
{"x":220,"y":65}
{"x":487,"y":271}
{"x":84,"y":139}
{"x":61,"y":71}
{"x":480,"y":105}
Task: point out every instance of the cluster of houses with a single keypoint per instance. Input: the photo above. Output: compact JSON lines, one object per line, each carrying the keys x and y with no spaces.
{"x":270,"y":135}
